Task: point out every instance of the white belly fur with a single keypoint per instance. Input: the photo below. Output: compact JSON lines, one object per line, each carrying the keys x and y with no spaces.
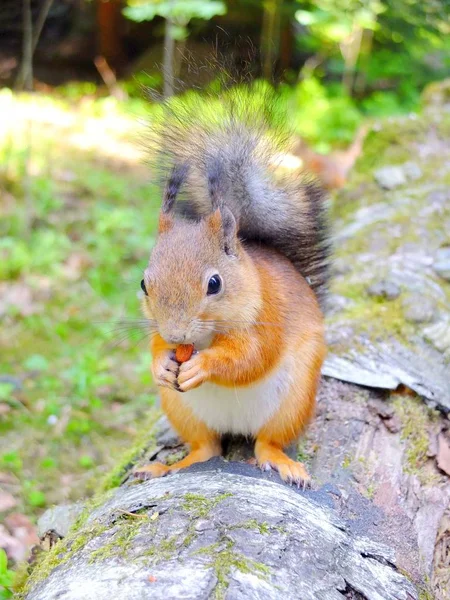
{"x":240,"y":410}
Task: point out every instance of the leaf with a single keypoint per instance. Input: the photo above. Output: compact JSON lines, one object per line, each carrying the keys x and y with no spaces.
{"x":36,"y":498}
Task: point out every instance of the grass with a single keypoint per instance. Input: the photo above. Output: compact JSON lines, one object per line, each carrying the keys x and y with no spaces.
{"x":78,"y":221}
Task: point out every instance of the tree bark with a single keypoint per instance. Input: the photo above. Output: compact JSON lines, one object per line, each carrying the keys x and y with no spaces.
{"x":223,"y":530}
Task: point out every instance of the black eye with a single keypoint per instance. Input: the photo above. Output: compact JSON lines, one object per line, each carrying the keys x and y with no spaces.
{"x":214,"y":285}
{"x":143,"y":288}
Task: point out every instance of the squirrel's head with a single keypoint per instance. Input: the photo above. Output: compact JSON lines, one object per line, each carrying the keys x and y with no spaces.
{"x":199,"y":280}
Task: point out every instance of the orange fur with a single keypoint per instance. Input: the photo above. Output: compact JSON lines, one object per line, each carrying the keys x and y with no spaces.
{"x":204,"y":443}
{"x":290,"y":325}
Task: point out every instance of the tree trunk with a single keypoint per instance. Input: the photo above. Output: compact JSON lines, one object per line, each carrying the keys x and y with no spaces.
{"x":376,"y":525}
{"x":109,"y":19}
{"x":25,"y":75}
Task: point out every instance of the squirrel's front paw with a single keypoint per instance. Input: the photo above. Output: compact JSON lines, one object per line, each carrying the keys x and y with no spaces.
{"x":192,"y":373}
{"x":165,"y":370}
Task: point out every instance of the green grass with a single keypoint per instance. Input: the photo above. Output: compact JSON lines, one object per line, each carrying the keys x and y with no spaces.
{"x":77,"y":225}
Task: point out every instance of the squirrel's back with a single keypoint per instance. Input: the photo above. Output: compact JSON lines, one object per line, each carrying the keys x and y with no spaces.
{"x":233,"y":142}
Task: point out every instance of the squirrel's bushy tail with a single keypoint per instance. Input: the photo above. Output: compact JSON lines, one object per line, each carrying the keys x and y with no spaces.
{"x":237,"y":136}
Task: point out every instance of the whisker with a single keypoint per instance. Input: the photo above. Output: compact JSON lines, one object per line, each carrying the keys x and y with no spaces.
{"x":124,"y":336}
{"x":131,"y":325}
{"x":139,"y":341}
{"x":127,"y":322}
{"x":249,"y":324}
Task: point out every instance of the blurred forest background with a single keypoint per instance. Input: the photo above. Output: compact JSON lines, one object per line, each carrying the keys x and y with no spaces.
{"x":79,"y":210}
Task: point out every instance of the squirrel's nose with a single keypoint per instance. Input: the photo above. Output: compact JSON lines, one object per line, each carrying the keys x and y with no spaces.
{"x":174,"y":337}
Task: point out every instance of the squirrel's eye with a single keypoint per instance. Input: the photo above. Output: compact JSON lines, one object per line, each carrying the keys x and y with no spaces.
{"x":143,"y":288}
{"x":214,"y":285}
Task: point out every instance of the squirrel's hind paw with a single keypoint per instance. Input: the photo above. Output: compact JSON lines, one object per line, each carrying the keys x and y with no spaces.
{"x":290,"y":471}
{"x":151,"y":471}
{"x":293,"y":473}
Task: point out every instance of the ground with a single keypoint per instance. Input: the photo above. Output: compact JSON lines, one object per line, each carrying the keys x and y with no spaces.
{"x":78,"y":223}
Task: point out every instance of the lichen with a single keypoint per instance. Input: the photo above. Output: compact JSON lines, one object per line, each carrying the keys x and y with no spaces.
{"x":224,"y":558}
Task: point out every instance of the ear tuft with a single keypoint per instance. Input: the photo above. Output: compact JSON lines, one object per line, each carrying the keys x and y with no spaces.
{"x":173,"y":185}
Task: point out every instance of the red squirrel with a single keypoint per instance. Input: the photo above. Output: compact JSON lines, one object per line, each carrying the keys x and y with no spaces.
{"x":237,"y":272}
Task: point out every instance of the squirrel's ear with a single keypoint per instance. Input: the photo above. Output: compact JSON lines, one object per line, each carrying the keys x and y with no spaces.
{"x":221,"y":223}
{"x":229,"y":231}
{"x":166,"y":222}
{"x":214,"y":222}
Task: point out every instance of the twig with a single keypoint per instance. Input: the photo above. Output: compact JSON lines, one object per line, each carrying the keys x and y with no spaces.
{"x":130,"y":514}
{"x":109,"y":77}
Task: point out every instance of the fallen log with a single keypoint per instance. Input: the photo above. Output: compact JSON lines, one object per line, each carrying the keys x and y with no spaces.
{"x":376,"y":524}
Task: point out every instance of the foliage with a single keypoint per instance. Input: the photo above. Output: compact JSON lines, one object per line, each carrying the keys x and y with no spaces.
{"x":6,"y":577}
{"x":182,"y":10}
{"x":325,"y":116}
{"x":178,"y":12}
{"x":72,"y":251}
{"x":361,"y":58}
{"x":376,"y":47}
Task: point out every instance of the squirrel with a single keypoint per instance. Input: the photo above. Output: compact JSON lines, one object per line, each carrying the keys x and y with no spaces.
{"x":238,"y":270}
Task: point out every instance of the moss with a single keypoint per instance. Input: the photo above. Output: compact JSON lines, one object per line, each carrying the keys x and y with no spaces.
{"x":415,"y":418}
{"x":346,"y":462}
{"x":377,"y":319}
{"x":199,"y":506}
{"x":175,"y":457}
{"x":391,"y":145}
{"x":224,"y":559}
{"x":60,"y":554}
{"x":78,"y":536}
{"x":123,"y":533}
{"x":370,"y":491}
{"x":191,"y":536}
{"x":374,"y":315}
{"x":144,"y":440}
{"x":306,"y":450}
{"x":263,"y":527}
{"x":163,"y":551}
{"x":425,"y":590}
